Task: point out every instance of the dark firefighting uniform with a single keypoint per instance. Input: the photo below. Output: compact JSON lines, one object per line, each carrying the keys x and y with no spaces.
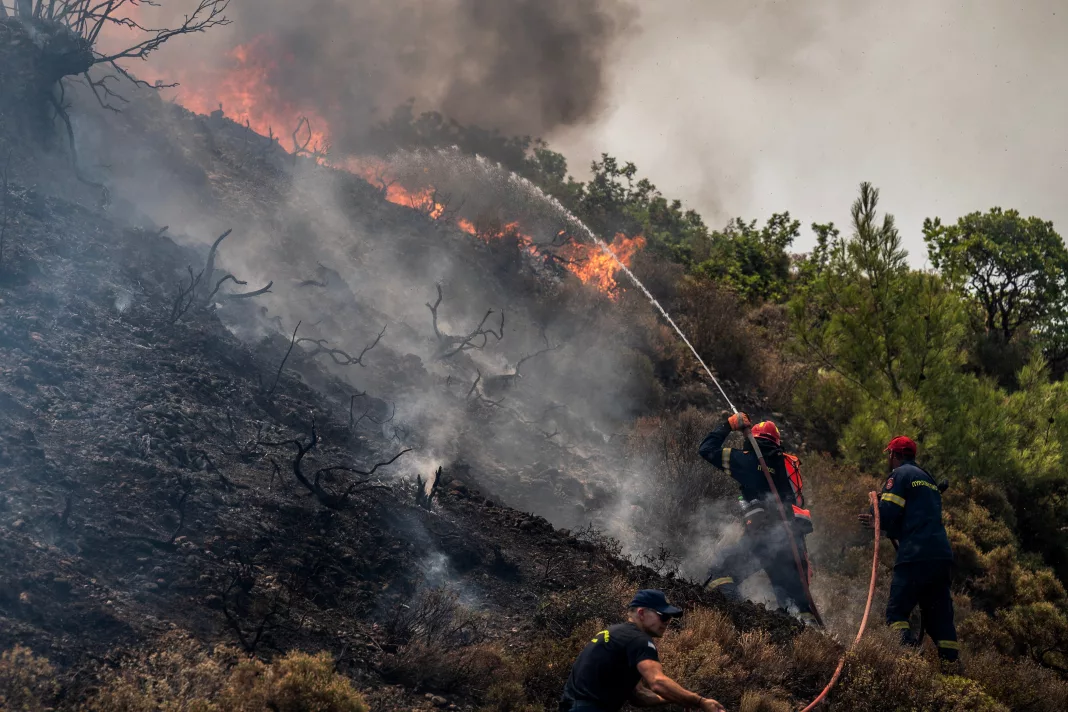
{"x":764,"y":543}
{"x":910,"y":511}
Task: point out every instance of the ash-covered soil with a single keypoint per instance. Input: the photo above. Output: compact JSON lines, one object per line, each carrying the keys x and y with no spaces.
{"x":149,"y":482}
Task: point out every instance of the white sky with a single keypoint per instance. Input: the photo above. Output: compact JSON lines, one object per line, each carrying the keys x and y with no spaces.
{"x":745,"y":109}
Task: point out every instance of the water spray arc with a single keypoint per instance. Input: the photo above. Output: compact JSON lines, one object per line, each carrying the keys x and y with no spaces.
{"x":786,"y":522}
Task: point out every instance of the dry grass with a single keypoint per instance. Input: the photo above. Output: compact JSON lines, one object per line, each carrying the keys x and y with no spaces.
{"x":468,"y":669}
{"x":759,"y":702}
{"x":27,"y":682}
{"x":180,"y":677}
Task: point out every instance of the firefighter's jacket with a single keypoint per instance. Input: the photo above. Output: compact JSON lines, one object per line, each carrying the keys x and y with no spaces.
{"x":743,"y":466}
{"x":910,"y":511}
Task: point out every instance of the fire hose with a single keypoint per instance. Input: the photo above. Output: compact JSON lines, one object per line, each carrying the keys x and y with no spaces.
{"x":867,"y":609}
{"x":786,"y":522}
{"x":801,"y":572}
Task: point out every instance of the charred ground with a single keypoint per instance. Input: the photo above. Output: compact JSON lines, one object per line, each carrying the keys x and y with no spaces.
{"x":149,"y":486}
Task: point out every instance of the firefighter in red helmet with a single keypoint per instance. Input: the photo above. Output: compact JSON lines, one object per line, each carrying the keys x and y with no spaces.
{"x":910,"y":513}
{"x":765,"y":543}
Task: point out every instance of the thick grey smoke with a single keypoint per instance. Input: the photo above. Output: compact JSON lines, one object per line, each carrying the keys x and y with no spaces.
{"x":748,"y":108}
{"x":522,"y":66}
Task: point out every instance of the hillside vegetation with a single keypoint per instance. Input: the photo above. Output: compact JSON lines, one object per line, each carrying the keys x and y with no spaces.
{"x":295,"y":471}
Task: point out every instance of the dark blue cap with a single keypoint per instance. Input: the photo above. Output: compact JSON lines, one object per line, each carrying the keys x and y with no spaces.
{"x":655,"y":599}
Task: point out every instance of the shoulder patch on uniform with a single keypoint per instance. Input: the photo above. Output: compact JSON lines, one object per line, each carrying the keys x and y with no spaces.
{"x":890,"y":483}
{"x":651,"y":645}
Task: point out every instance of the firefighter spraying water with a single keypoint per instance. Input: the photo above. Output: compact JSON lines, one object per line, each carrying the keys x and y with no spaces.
{"x":764,"y":544}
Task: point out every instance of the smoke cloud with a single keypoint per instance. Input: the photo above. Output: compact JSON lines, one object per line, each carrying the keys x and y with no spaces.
{"x":522,"y":67}
{"x":743,"y":108}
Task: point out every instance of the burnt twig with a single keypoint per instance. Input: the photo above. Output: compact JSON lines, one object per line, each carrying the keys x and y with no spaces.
{"x":292,"y":343}
{"x":340,"y":357}
{"x":314,"y":485}
{"x":452,"y":345}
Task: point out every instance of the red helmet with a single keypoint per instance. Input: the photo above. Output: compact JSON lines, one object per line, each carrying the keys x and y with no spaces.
{"x":767,"y":430}
{"x":901,"y":446}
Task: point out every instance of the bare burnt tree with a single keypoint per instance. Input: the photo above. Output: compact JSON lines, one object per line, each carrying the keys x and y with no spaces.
{"x":190,"y":296}
{"x":317,"y":481}
{"x":505,"y":381}
{"x":380,"y":177}
{"x":559,"y":250}
{"x":186,"y":487}
{"x":340,"y":357}
{"x":237,"y":445}
{"x":478,"y":395}
{"x":60,"y":39}
{"x":477,"y":339}
{"x":75,"y":26}
{"x":253,"y":606}
{"x":302,"y":140}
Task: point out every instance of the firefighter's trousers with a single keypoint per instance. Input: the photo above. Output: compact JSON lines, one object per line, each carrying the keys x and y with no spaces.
{"x":764,"y":545}
{"x":924,"y":584}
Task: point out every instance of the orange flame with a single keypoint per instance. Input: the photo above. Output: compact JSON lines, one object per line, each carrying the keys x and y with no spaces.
{"x":593,"y":266}
{"x":241,"y":88}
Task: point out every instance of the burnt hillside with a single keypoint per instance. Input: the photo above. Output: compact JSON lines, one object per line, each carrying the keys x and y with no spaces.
{"x":149,"y":483}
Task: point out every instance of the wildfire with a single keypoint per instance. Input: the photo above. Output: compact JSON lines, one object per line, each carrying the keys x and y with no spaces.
{"x":587,"y":262}
{"x":243,"y":90}
{"x":594,"y":267}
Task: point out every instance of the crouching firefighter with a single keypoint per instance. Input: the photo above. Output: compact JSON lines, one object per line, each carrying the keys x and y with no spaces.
{"x":765,"y":543}
{"x":910,"y":513}
{"x":621,"y":664}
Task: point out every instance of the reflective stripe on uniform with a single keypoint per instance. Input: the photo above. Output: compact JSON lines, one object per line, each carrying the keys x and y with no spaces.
{"x":719,"y":582}
{"x":949,"y":644}
{"x":727,"y":460}
{"x":899,"y":625}
{"x":891,"y":497}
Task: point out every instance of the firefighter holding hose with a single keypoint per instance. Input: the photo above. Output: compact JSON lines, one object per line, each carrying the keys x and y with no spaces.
{"x":765,"y":543}
{"x":910,"y":513}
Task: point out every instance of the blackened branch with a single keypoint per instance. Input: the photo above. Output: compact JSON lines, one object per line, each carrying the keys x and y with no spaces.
{"x":340,"y":357}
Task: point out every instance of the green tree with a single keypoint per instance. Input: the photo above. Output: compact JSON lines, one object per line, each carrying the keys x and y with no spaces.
{"x":1016,"y":268}
{"x":753,"y":261}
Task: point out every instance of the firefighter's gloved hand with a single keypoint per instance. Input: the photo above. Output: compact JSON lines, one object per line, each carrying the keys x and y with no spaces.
{"x":739,"y":421}
{"x":867,"y":520}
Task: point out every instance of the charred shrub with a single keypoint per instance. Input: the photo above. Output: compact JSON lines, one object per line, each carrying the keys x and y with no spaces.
{"x":561,"y":613}
{"x":436,"y":618}
{"x":670,"y":506}
{"x":440,"y":645}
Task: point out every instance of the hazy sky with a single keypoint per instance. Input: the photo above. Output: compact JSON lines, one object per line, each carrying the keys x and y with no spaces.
{"x":739,"y":107}
{"x":745,"y":108}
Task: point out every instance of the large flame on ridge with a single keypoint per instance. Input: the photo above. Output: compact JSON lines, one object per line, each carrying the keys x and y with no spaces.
{"x":240,"y":88}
